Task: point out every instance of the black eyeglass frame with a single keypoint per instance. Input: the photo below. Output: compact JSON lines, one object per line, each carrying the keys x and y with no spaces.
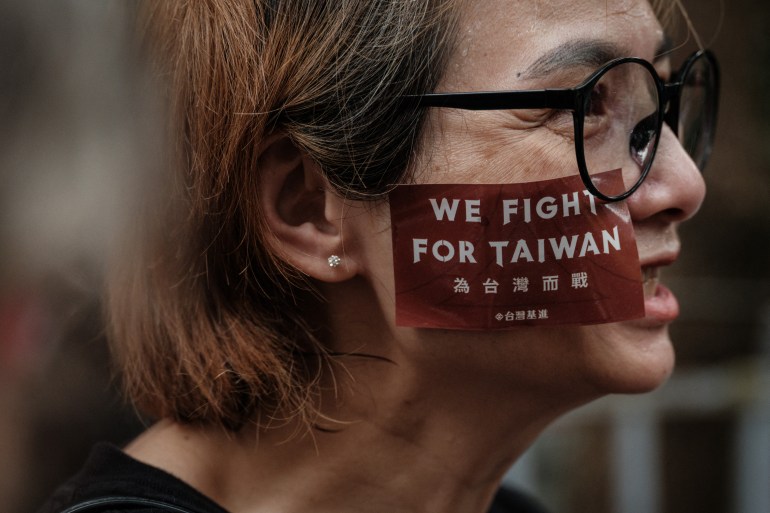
{"x":577,"y":99}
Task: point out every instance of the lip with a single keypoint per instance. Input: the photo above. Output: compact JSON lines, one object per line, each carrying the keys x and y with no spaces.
{"x":660,"y":304}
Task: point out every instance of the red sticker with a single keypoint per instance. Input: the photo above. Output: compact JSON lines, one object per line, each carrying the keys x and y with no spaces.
{"x":499,"y":256}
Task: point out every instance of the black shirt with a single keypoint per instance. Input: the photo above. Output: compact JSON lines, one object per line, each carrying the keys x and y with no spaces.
{"x":109,"y":472}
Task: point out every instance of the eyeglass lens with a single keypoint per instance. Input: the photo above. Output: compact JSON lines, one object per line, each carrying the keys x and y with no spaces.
{"x":697,"y":110}
{"x":622,"y":120}
{"x":621,"y":126}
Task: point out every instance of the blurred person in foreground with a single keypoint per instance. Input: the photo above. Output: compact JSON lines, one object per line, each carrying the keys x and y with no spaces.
{"x":74,"y":126}
{"x":272,"y":319}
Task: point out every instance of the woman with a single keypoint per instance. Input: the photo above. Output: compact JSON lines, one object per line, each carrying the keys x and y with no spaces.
{"x":260,"y":324}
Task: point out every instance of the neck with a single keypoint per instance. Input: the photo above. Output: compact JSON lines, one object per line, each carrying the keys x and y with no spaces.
{"x":395,"y":444}
{"x":428,"y":422}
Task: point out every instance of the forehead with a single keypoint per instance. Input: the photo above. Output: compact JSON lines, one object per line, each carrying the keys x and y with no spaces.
{"x":501,"y":40}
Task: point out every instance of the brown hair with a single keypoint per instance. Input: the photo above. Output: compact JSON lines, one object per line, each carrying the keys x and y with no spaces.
{"x":206,"y":324}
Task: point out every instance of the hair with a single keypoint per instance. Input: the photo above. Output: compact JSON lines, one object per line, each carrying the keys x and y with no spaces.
{"x":207,"y":325}
{"x":672,"y":14}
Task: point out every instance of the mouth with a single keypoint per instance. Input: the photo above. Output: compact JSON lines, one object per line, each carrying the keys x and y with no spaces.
{"x":650,"y":280}
{"x":660,"y":304}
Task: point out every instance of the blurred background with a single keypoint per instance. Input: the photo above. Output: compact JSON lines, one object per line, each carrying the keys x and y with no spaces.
{"x":76,"y":130}
{"x":76,"y":126}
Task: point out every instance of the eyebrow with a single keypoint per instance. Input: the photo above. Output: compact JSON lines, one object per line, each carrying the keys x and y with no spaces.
{"x":573,"y":54}
{"x":585,"y":53}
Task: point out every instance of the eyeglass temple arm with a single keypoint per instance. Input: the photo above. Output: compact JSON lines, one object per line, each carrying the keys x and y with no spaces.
{"x":499,"y":100}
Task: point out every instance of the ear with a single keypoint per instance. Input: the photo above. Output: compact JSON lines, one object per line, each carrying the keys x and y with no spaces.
{"x":303,"y":214}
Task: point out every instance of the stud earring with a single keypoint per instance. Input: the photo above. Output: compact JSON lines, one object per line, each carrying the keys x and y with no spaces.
{"x":334,"y":261}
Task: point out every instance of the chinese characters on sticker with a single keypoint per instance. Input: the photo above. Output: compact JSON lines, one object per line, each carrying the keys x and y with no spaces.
{"x":507,"y":255}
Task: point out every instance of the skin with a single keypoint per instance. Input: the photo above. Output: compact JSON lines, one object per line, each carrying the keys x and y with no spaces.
{"x":434,"y":422}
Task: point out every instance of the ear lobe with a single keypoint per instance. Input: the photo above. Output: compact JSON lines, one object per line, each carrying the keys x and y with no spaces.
{"x":302,"y":212}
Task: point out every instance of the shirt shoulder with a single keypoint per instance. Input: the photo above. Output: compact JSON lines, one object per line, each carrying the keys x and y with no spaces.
{"x":110,"y":476}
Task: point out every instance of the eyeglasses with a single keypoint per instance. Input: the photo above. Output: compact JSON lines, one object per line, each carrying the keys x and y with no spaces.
{"x":618,"y":114}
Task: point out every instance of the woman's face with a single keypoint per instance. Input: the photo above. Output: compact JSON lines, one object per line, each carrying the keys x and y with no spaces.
{"x":499,"y":43}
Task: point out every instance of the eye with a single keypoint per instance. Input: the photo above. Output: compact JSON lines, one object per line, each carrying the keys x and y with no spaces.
{"x":643,"y":139}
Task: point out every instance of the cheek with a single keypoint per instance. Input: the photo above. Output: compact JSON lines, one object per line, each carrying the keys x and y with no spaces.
{"x":543,"y":156}
{"x":479,"y":148}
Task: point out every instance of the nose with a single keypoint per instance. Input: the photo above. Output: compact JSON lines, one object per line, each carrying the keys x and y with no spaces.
{"x":674,"y":189}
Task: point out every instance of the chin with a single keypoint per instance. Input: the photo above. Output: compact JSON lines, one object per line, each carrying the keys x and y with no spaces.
{"x":635,"y":358}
